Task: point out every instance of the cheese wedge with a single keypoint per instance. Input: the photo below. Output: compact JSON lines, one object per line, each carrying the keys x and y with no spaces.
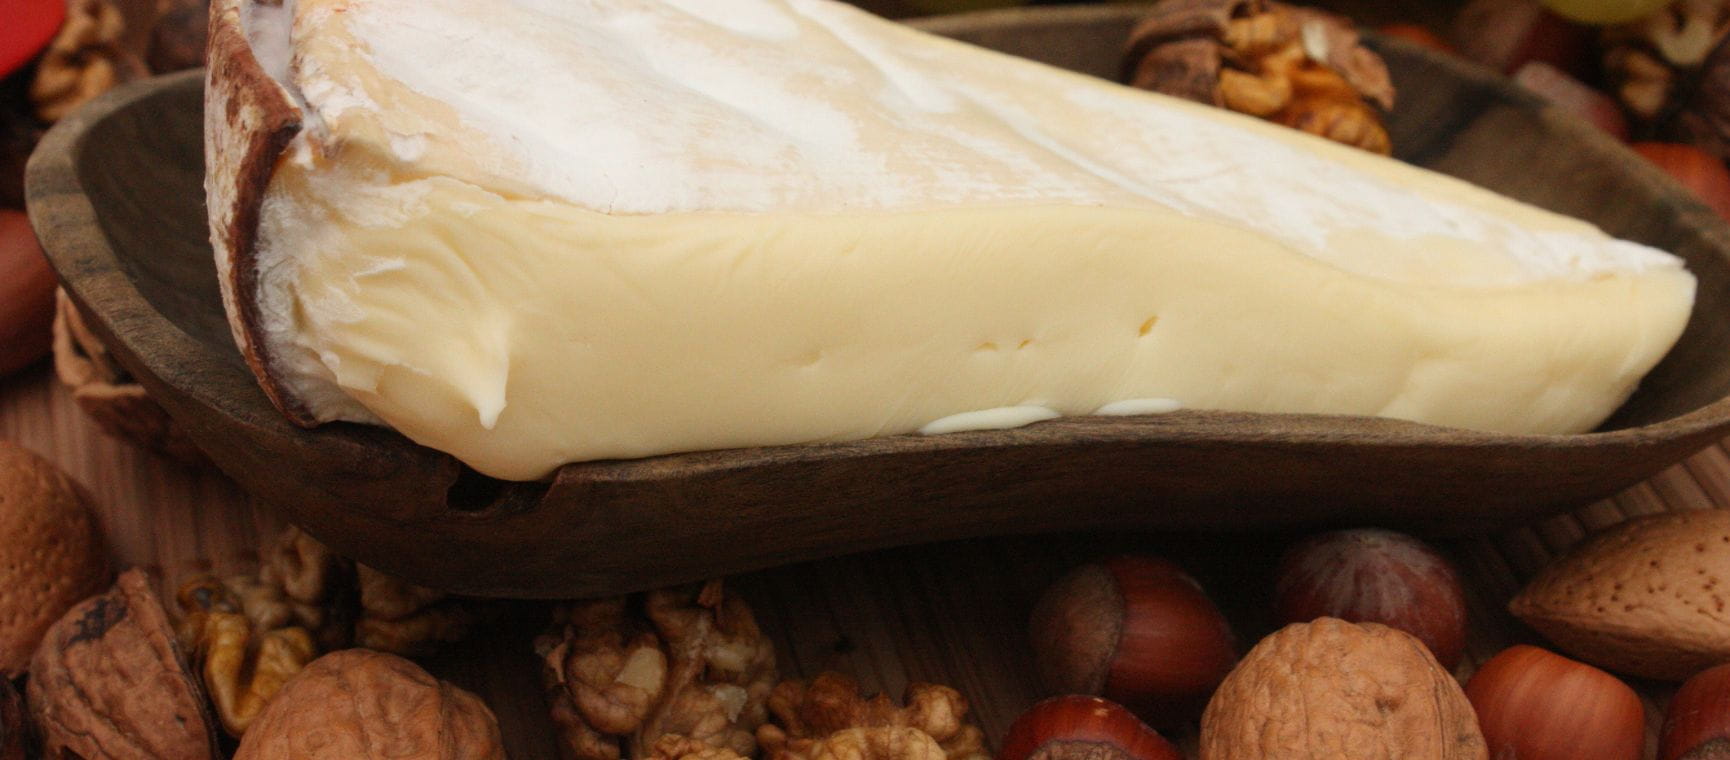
{"x":531,"y":232}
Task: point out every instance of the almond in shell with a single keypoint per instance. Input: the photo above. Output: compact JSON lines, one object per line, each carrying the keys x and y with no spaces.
{"x":53,"y":556}
{"x":1649,"y":597}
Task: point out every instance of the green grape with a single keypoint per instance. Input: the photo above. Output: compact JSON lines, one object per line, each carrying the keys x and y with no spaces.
{"x":1604,"y":12}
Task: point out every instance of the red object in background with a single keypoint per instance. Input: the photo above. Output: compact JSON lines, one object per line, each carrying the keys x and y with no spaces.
{"x":1421,"y":35}
{"x":1696,"y":169}
{"x":29,"y":25}
{"x":1573,"y":96}
{"x":26,"y":294}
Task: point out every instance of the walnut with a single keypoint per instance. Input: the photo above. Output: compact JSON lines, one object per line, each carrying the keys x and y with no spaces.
{"x":177,"y":38}
{"x":829,"y":718}
{"x":1294,"y":66}
{"x":1332,"y":689}
{"x":1671,"y":71}
{"x":401,"y":618}
{"x":109,"y":682}
{"x":623,"y":674}
{"x":84,"y":60}
{"x":243,"y":664}
{"x":58,"y":555}
{"x":674,"y":747}
{"x":108,"y":394}
{"x":15,"y":732}
{"x":358,"y":704}
{"x":247,"y":634}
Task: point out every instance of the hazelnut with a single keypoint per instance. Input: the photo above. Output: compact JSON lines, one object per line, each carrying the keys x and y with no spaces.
{"x":26,"y":296}
{"x":358,"y":704}
{"x":1535,"y":705}
{"x":1376,"y":576}
{"x":1083,"y":728}
{"x":1332,"y":689}
{"x":109,"y":682}
{"x":54,"y":556}
{"x":1136,"y":630}
{"x":1697,"y":726}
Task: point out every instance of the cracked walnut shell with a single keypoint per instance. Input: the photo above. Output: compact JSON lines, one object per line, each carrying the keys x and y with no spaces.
{"x":108,"y":681}
{"x":1299,"y":67}
{"x":828,"y":719}
{"x":624,"y":674}
{"x":357,"y":704}
{"x":1332,"y":689}
{"x":54,"y":554}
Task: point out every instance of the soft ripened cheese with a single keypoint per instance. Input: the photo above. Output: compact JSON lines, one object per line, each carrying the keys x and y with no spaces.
{"x":531,"y":232}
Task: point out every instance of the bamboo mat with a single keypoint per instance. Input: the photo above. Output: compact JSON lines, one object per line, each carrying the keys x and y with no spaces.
{"x":952,"y":613}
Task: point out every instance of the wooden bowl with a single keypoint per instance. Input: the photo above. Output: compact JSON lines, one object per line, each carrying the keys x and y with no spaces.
{"x":115,"y":192}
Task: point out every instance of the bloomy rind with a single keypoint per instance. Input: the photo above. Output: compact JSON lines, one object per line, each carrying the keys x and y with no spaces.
{"x":249,"y":120}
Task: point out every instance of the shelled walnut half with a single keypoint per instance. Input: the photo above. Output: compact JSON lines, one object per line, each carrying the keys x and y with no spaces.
{"x":828,"y":718}
{"x":248,"y":634}
{"x":104,"y":390}
{"x":1671,"y":70}
{"x":1299,"y":67}
{"x":674,"y":673}
{"x":85,"y":59}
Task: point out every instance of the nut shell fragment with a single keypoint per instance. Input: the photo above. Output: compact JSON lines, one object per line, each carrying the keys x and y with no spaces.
{"x":362,"y":705}
{"x":1332,"y":689}
{"x":108,"y":682}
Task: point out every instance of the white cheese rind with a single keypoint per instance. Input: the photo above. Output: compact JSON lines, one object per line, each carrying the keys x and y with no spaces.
{"x":621,"y":228}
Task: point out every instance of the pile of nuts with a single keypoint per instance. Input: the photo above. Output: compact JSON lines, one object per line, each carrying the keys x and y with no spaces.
{"x":1658,"y":81}
{"x":1375,"y":623}
{"x":289,"y":660}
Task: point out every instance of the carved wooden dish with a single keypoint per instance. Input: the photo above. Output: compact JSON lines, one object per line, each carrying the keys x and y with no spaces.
{"x":115,"y":192}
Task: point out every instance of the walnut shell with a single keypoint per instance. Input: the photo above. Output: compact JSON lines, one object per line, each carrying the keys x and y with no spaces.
{"x":1644,"y":598}
{"x":109,"y":682}
{"x":358,"y":704}
{"x":1332,"y":689}
{"x":54,"y":556}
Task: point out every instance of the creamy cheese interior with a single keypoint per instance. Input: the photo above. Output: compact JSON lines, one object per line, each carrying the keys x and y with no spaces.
{"x":541,"y":231}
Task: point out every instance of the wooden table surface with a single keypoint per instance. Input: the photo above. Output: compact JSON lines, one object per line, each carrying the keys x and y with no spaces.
{"x":952,"y":613}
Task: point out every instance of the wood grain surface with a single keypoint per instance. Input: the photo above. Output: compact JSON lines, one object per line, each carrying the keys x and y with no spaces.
{"x":953,"y":613}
